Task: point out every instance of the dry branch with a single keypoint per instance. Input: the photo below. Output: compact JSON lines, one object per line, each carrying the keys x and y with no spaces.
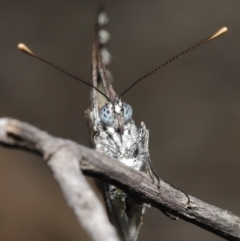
{"x":65,"y":158}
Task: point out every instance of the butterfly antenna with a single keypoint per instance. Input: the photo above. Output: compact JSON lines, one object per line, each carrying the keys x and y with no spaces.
{"x":209,"y":39}
{"x":28,"y":51}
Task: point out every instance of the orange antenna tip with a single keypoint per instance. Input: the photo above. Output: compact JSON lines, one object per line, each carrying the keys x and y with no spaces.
{"x":25,"y":49}
{"x":220,"y":32}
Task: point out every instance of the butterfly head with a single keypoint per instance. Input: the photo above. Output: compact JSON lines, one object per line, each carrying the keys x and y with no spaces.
{"x":116,"y":114}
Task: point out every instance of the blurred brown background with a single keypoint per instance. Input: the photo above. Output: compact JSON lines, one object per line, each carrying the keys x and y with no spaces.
{"x":192,"y":107}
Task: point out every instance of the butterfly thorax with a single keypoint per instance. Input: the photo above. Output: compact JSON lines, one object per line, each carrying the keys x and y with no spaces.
{"x":117,"y":135}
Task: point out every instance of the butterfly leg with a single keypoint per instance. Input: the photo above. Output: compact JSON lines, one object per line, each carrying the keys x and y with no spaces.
{"x":151,"y":172}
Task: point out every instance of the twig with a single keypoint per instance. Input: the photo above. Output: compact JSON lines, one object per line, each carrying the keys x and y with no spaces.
{"x":66,"y":158}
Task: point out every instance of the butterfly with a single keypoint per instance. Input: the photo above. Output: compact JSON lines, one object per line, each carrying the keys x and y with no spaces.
{"x":114,"y":132}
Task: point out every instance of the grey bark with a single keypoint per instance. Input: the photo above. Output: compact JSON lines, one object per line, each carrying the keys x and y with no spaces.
{"x":66,"y":158}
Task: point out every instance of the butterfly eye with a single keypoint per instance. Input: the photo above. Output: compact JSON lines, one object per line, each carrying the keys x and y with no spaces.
{"x":106,"y":115}
{"x":127,"y":112}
